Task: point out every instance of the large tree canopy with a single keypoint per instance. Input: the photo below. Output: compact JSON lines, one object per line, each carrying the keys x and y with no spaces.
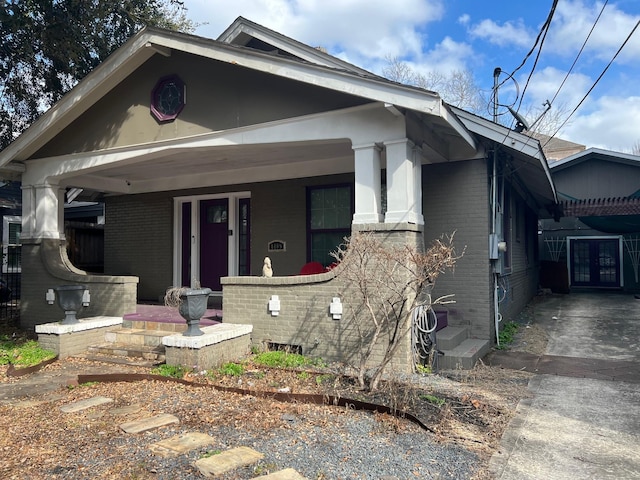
{"x":49,"y":45}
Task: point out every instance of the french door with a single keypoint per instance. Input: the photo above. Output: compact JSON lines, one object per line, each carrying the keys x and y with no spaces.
{"x":595,"y":262}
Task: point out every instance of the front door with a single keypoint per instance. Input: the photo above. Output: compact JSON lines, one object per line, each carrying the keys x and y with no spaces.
{"x":214,"y":242}
{"x":212,"y":238}
{"x":595,"y":262}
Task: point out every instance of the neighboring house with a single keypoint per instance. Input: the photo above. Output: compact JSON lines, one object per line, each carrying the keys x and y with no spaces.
{"x":11,"y":208}
{"x":557,"y":148}
{"x":211,"y":155}
{"x":597,"y":242}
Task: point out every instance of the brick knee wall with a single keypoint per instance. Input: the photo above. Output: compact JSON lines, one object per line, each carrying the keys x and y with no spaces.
{"x":210,"y":356}
{"x":45,"y":266}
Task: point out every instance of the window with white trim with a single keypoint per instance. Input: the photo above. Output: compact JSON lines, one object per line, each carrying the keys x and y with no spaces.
{"x":11,"y":246}
{"x":330,"y":212}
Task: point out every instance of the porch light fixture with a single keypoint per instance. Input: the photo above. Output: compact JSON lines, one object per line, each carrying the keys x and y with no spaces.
{"x":274,"y":305}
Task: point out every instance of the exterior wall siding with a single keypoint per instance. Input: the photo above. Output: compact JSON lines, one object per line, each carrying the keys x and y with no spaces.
{"x":596,"y":179}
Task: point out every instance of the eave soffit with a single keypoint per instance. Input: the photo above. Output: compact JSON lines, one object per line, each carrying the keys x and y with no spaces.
{"x":526,"y":152}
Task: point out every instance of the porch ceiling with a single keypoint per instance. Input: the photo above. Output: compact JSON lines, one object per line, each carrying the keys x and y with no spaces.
{"x":221,"y":165}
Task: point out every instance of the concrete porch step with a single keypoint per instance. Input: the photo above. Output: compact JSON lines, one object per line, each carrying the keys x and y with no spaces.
{"x":117,"y":360}
{"x":465,"y":355}
{"x":137,"y":336}
{"x":127,"y":350}
{"x":450,"y":337}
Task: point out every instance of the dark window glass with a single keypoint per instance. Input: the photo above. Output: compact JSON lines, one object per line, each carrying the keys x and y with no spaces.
{"x":330,"y":215}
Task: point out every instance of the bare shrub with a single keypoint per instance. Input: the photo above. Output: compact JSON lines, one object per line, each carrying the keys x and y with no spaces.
{"x":385,"y":283}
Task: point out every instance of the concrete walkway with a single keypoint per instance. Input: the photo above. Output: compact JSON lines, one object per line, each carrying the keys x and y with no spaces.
{"x":583,"y":420}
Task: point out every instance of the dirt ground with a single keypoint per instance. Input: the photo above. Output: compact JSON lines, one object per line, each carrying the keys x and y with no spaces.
{"x":467,"y":408}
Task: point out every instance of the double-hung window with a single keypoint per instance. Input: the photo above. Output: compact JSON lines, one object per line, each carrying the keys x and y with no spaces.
{"x":11,"y":247}
{"x":330,"y":212}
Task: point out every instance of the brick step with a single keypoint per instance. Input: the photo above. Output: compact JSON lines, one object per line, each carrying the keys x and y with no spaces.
{"x":146,"y":352}
{"x":465,"y":355}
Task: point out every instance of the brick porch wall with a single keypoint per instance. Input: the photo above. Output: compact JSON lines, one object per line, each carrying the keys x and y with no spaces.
{"x":304,"y":318}
{"x":45,"y":265}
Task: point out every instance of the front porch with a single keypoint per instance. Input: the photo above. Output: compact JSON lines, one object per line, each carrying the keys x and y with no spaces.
{"x":167,"y":319}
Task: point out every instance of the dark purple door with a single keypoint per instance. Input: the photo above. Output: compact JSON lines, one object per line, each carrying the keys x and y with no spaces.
{"x":214,"y":242}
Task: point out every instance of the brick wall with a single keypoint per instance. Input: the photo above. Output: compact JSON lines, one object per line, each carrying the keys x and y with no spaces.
{"x":66,"y":345}
{"x":304,"y":318}
{"x":456,"y":199}
{"x":139,"y":240}
{"x":211,"y":356}
{"x":139,"y":230}
{"x":520,"y":283}
{"x":45,"y":265}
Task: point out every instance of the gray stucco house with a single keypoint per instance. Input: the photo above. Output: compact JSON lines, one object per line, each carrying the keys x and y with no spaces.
{"x":211,"y":154}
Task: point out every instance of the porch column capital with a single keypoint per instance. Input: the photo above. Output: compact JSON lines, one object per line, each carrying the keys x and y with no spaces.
{"x":42,"y":211}
{"x":367,"y":184}
{"x":404,"y":182}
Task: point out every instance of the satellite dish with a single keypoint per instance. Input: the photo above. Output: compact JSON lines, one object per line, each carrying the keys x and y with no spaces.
{"x":521,"y":123}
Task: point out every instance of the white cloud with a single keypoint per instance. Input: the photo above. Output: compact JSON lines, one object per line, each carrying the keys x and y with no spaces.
{"x":446,"y":56}
{"x":612,"y":123}
{"x":507,"y":34}
{"x":545,"y":83}
{"x":573,"y":21}
{"x":355,"y":29}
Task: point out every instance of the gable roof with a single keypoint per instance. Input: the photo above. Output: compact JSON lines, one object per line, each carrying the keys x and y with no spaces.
{"x":596,"y":154}
{"x":314,"y":68}
{"x":243,"y":32}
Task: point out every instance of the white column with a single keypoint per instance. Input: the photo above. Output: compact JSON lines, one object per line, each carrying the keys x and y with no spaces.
{"x":42,"y":211}
{"x":28,"y":211}
{"x":404,"y":183}
{"x":368,"y":184}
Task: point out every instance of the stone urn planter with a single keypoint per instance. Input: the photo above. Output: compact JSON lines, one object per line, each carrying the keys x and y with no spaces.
{"x":70,"y":300}
{"x":191,"y":303}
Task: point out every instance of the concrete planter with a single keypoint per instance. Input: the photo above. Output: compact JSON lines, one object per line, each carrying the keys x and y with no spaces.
{"x":193,"y":304}
{"x":70,"y":300}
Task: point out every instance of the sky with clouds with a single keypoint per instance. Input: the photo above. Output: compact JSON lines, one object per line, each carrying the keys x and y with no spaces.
{"x":448,"y":35}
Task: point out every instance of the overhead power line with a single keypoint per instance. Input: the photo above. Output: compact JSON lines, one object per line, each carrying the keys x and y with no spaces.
{"x":596,"y":82}
{"x":580,"y":52}
{"x":541,"y":33}
{"x":544,"y":36}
